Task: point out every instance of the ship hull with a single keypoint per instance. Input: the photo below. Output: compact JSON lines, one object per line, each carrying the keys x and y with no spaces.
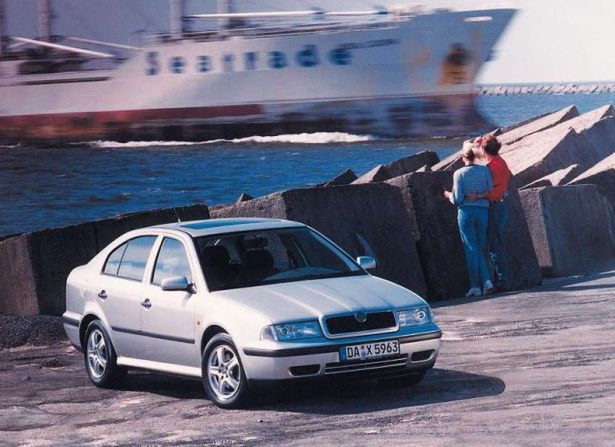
{"x":395,"y":81}
{"x":411,"y":117}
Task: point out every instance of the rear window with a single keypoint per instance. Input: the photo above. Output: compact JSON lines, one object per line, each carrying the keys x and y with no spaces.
{"x":129,"y":259}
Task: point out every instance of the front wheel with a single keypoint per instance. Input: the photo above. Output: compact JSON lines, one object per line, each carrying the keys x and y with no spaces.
{"x":100,"y":357}
{"x":223,"y":375}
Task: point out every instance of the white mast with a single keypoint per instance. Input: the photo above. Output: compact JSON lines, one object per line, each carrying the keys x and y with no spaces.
{"x":177,"y":18}
{"x":2,"y":29}
{"x":44,"y":20}
{"x":225,"y":7}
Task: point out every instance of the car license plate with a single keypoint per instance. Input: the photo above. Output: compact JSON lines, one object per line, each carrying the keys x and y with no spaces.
{"x":368,"y":351}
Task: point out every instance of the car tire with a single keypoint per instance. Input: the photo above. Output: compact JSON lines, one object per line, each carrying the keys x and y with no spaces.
{"x":100,"y":357}
{"x":223,"y":375}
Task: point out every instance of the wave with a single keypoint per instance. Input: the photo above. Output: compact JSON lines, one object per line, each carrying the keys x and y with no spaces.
{"x":301,"y":138}
{"x":130,"y":144}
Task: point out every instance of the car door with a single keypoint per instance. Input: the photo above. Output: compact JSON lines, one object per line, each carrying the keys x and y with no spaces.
{"x":121,"y":288}
{"x":167,"y":323}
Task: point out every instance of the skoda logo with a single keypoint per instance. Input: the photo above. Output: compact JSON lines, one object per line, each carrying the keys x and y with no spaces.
{"x":361,"y":317}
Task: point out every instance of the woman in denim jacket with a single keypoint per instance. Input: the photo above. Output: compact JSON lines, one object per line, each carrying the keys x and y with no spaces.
{"x":472,"y":217}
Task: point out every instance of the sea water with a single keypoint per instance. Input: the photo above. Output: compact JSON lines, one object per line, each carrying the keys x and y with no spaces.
{"x":42,"y":188}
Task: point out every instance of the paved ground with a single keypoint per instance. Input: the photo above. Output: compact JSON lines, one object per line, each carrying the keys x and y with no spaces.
{"x":532,"y":368}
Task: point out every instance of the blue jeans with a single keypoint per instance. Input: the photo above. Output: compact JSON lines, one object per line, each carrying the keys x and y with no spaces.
{"x":498,"y":218}
{"x":473,"y":221}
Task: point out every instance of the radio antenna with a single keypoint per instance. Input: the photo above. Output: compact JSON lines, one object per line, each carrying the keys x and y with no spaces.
{"x":177,"y":215}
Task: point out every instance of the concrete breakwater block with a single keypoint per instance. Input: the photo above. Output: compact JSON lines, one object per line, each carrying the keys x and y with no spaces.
{"x":343,"y":178}
{"x":412,"y":163}
{"x":244,"y":197}
{"x":603,"y":176}
{"x":378,"y":174}
{"x":557,"y":178}
{"x":536,"y":124}
{"x":108,"y":230}
{"x":438,"y":242}
{"x":34,"y":266}
{"x":406,"y":165}
{"x":363,"y":219}
{"x":510,"y":135}
{"x":595,"y":125}
{"x":524,"y":270}
{"x":585,"y":143}
{"x":571,"y":228}
{"x":450,"y":163}
{"x":436,"y":232}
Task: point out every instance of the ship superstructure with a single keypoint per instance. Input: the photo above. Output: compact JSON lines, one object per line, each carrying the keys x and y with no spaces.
{"x":389,"y":73}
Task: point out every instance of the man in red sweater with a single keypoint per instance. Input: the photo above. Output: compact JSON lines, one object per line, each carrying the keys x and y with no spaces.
{"x":498,"y":212}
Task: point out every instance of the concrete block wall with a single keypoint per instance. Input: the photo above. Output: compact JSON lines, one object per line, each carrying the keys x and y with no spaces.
{"x":34,"y":266}
{"x":438,"y":242}
{"x":571,"y":227}
{"x":368,"y":219}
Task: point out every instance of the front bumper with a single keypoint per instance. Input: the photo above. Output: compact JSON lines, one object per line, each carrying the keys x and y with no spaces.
{"x":417,"y":352}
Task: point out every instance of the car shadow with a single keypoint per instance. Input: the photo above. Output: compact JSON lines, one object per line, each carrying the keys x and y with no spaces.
{"x":337,"y":397}
{"x":438,"y":386}
{"x":164,"y":385}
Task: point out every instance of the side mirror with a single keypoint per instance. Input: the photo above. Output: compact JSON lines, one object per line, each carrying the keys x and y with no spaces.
{"x":366,"y":262}
{"x":176,"y":283}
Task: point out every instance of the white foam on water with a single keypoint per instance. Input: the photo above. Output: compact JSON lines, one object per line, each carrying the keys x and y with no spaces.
{"x":131,"y":144}
{"x":305,"y":138}
{"x":301,"y":138}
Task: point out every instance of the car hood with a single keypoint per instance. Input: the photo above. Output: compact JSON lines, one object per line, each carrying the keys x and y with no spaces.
{"x":301,"y":300}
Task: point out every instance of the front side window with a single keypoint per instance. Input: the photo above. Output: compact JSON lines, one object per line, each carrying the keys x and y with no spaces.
{"x":171,"y":261}
{"x":136,"y":253}
{"x":269,"y":257}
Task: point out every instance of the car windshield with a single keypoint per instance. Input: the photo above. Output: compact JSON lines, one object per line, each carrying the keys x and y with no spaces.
{"x":270,"y":256}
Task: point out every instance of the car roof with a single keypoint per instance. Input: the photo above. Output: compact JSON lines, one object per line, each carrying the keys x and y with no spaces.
{"x":208,"y":227}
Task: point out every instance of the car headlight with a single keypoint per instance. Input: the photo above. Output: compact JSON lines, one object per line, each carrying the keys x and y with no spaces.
{"x":414,"y":317}
{"x":291,"y":331}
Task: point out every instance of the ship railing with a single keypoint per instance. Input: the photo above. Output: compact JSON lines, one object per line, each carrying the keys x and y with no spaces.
{"x":267,"y":31}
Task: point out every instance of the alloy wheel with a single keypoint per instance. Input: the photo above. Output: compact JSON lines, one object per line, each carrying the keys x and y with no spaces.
{"x":223,"y":372}
{"x":97,"y":354}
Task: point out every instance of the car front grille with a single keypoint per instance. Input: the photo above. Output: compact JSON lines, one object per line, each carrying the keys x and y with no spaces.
{"x":347,"y":324}
{"x":398,"y":362}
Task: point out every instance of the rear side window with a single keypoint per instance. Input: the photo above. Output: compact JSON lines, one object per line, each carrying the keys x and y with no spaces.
{"x":129,"y":259}
{"x":113,"y":261}
{"x":172,"y":261}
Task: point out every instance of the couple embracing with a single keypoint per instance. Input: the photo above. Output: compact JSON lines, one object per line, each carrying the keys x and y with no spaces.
{"x":479,"y":193}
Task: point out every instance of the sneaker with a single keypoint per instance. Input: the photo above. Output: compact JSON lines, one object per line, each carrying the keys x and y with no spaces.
{"x":474,"y":291}
{"x":488,"y":287}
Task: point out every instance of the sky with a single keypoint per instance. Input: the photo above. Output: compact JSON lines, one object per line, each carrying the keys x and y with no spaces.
{"x":548,"y":41}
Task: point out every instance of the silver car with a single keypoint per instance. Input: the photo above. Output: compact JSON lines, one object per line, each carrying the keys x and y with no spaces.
{"x":240,"y":303}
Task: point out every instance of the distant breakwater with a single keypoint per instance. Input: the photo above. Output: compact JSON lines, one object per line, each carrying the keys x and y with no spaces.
{"x":563,"y":88}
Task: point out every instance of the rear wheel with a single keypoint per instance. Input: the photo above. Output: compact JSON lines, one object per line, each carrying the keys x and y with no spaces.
{"x":100,"y":357}
{"x":223,"y":375}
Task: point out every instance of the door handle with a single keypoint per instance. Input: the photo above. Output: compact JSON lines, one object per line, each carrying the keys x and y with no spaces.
{"x":102,"y":295}
{"x":146,"y":303}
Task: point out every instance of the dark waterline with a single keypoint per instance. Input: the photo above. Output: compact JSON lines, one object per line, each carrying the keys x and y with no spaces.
{"x":44,"y":188}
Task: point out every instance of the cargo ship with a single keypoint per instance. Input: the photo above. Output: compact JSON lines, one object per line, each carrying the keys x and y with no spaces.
{"x":392,"y":73}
